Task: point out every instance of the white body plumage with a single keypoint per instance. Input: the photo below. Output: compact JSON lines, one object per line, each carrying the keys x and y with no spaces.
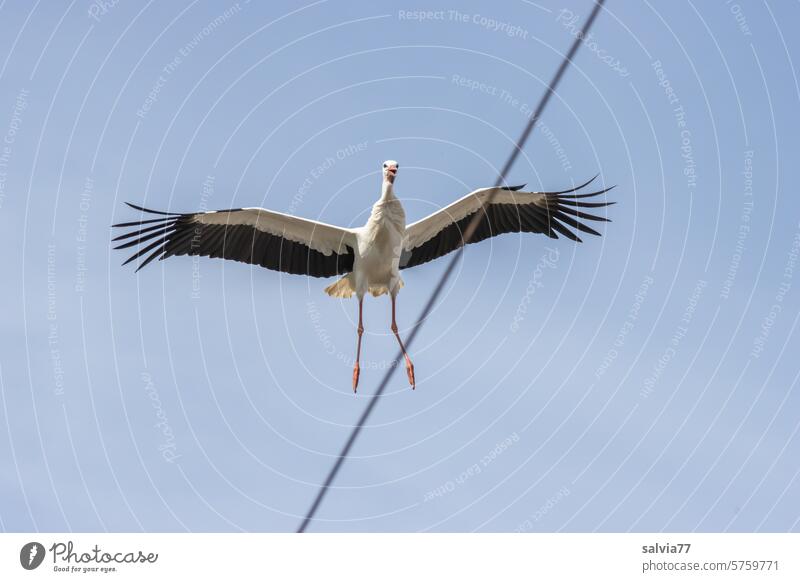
{"x":376,"y":268}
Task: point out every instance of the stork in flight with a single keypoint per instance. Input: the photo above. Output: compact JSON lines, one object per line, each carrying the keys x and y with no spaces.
{"x":370,"y":257}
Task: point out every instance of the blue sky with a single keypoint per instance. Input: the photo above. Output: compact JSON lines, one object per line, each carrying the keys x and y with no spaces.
{"x":640,"y":381}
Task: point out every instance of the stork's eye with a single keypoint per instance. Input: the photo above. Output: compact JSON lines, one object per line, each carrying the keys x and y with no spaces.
{"x":384,"y":165}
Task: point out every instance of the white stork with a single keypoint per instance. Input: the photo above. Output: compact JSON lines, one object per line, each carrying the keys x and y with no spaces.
{"x":370,"y":257}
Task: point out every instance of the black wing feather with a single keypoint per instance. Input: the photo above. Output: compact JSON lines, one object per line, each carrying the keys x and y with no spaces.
{"x":560,"y":207}
{"x":182,"y":234}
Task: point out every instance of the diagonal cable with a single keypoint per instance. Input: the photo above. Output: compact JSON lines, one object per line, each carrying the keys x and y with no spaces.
{"x":469,"y":232}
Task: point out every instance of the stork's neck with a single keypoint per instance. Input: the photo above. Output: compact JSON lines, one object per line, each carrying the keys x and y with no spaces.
{"x":387,"y":191}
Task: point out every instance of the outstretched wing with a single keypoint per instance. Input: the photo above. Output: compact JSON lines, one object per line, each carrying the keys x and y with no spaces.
{"x":511,"y":210}
{"x":250,"y":235}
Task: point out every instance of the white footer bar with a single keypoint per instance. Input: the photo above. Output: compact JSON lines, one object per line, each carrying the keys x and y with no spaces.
{"x":406,"y":557}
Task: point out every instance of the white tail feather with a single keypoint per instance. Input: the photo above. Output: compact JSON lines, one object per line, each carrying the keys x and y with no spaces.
{"x":378,"y":290}
{"x":343,"y":288}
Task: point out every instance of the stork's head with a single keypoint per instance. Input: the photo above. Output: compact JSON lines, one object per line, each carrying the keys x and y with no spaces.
{"x":390,"y":168}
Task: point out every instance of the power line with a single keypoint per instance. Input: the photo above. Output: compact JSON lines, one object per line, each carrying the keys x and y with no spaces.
{"x":469,"y":232}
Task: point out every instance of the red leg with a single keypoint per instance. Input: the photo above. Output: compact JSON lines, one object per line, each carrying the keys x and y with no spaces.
{"x":357,"y":367}
{"x":409,"y":365}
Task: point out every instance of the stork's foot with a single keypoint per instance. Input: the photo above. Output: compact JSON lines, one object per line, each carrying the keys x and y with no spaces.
{"x":356,"y":374}
{"x":410,"y":372}
{"x":409,"y":365}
